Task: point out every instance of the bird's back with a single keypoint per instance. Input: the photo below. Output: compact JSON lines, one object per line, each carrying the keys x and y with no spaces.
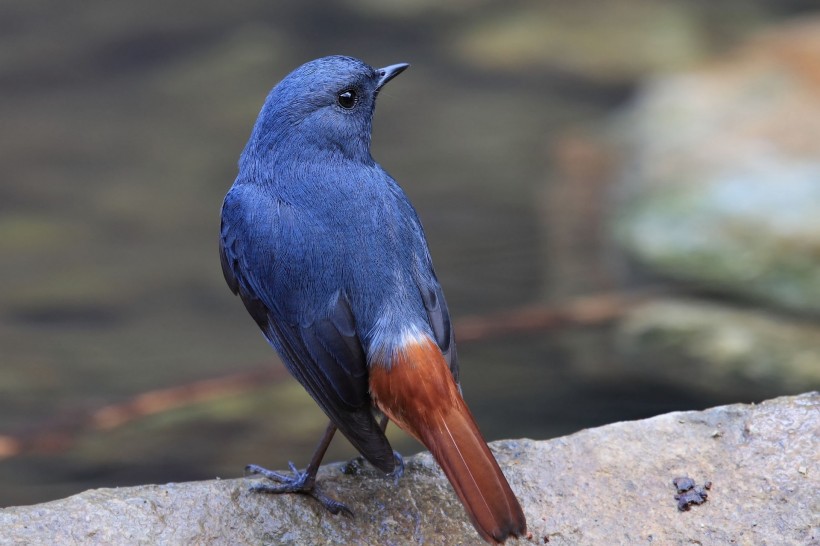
{"x":320,"y":229}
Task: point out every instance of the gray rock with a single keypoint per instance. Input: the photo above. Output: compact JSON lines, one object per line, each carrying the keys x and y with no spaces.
{"x":751,"y":231}
{"x":609,"y":485}
{"x":715,"y":348}
{"x":721,"y":184}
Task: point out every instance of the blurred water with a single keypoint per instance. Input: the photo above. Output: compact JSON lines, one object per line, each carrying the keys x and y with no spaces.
{"x":122,"y":124}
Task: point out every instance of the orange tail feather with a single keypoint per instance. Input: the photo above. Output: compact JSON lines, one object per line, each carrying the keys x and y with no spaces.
{"x":418,"y":392}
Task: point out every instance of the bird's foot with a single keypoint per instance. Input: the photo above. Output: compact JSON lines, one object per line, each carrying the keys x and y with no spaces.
{"x":297,"y":482}
{"x":398,"y":470}
{"x":354,"y":466}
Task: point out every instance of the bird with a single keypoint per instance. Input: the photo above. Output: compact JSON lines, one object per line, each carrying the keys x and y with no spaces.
{"x":329,"y":257}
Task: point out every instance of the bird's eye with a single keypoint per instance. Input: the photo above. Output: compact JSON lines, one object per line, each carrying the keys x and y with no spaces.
{"x":347,"y":99}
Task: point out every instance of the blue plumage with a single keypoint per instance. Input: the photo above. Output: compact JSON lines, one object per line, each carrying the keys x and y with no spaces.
{"x":324,"y":248}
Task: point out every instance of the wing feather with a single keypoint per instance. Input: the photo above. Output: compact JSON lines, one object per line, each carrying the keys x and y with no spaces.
{"x":322,"y":351}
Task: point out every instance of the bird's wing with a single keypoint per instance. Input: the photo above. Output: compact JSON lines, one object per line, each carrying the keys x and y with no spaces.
{"x":431,"y":293}
{"x":323,"y":352}
{"x":439,"y":318}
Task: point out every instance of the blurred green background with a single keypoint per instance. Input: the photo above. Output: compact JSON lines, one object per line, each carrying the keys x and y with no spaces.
{"x":121,"y":126}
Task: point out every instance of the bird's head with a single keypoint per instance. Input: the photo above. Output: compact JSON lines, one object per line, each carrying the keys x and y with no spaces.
{"x":324,"y":105}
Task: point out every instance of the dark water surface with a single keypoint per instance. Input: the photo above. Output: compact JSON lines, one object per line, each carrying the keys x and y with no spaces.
{"x":122,"y":124}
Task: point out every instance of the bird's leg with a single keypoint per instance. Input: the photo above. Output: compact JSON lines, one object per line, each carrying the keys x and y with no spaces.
{"x":301,"y":482}
{"x":398,"y":470}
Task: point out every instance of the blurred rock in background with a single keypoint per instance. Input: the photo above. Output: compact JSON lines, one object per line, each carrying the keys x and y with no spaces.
{"x":720,"y":189}
{"x":711,"y":346}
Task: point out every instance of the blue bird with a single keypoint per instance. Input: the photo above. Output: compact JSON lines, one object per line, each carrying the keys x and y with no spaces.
{"x":330,"y":259}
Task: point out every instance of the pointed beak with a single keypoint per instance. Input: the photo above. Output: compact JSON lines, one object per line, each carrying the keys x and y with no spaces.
{"x":389,"y":72}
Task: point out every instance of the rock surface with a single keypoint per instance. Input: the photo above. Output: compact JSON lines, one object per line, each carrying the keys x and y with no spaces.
{"x":609,"y":485}
{"x":721,"y":185}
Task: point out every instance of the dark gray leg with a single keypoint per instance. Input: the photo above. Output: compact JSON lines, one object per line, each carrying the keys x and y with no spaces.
{"x":301,"y":482}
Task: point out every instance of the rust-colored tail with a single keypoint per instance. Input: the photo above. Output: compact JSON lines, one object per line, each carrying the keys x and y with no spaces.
{"x":418,"y":392}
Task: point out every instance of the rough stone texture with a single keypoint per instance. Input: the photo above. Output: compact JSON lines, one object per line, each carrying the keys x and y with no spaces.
{"x":713,"y":347}
{"x":722,"y":180}
{"x":609,"y":485}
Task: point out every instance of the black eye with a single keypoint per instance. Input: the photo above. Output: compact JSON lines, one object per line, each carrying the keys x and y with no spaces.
{"x":347,"y":99}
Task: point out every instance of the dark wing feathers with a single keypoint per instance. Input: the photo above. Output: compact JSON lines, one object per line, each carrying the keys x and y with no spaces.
{"x":229,"y":263}
{"x":340,"y":365}
{"x":325,"y":355}
{"x":321,"y":358}
{"x":439,"y":319}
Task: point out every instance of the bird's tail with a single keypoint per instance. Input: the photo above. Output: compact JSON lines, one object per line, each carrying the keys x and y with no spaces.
{"x":417,"y":391}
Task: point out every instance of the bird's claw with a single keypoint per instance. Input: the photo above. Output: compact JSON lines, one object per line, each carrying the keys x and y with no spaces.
{"x":296,"y":480}
{"x":296,"y":483}
{"x":355,"y":465}
{"x":398,"y":470}
{"x":331,"y":505}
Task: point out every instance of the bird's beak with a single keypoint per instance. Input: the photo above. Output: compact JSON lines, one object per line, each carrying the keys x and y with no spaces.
{"x":389,"y":72}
